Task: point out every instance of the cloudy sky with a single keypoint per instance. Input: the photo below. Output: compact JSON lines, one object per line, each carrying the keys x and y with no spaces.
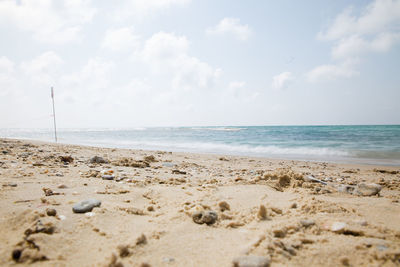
{"x":134,"y":63}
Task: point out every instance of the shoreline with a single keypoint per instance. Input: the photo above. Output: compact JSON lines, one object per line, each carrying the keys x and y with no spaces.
{"x":285,"y":212}
{"x":342,"y":161}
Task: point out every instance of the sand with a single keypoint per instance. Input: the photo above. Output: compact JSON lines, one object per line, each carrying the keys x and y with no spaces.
{"x":291,"y":213}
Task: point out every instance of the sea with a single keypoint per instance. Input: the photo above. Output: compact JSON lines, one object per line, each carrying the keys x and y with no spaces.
{"x":361,"y":144}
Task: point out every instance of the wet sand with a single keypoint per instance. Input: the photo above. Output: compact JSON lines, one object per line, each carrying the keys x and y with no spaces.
{"x":183,"y":209}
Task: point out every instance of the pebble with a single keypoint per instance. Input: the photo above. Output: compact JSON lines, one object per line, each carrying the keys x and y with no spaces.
{"x":252,"y":261}
{"x":10,"y":185}
{"x":337,"y":227}
{"x":168,"y":164}
{"x":223,"y":206}
{"x":280,"y":233}
{"x":108,"y":177}
{"x":51,"y":212}
{"x":311,"y":178}
{"x":97,"y":159}
{"x":210,"y":217}
{"x":86,"y":205}
{"x":262,"y":213}
{"x":207,"y":217}
{"x":62,"y":186}
{"x":364,"y":189}
{"x":307,"y":223}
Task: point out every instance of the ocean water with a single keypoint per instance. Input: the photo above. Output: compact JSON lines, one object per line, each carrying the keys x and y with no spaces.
{"x":369,"y":144}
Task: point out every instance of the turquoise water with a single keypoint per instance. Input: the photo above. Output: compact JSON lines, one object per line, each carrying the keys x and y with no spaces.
{"x":359,"y":144}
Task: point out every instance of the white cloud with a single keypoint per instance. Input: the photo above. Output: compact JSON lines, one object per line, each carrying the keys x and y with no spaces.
{"x":6,"y":65}
{"x":138,"y":9}
{"x":236,"y":85}
{"x":47,"y":21}
{"x":42,"y":68}
{"x":331,"y":72}
{"x":379,"y":16}
{"x":7,"y":77}
{"x":168,"y":53}
{"x":375,"y":30}
{"x":357,"y":46}
{"x":231,"y":26}
{"x":120,"y":39}
{"x":281,"y":81}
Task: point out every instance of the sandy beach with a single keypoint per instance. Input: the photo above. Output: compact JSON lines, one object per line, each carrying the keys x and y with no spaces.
{"x":182,"y":209}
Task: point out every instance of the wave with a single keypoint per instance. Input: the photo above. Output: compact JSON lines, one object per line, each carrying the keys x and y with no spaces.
{"x":225,"y":148}
{"x":223,"y":129}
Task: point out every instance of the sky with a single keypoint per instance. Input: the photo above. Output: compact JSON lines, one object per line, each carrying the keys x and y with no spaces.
{"x":141,"y":63}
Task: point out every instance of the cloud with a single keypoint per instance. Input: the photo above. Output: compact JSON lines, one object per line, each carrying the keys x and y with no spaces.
{"x":139,"y":9}
{"x":281,"y":81}
{"x":331,"y":72}
{"x":231,"y":26}
{"x":42,"y":68}
{"x":357,"y":46}
{"x":7,"y":75}
{"x":375,"y":30}
{"x":379,"y":16}
{"x":48,"y":22}
{"x":120,"y":39}
{"x":168,"y":53}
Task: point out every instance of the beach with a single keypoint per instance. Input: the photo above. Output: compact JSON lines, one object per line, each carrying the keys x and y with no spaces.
{"x":160,"y":208}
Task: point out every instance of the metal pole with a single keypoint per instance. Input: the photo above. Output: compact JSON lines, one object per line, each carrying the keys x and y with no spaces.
{"x":54,"y":115}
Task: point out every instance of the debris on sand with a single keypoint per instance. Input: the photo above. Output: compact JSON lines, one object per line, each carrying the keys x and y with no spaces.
{"x":128,"y":162}
{"x":262,"y":213}
{"x":97,"y":159}
{"x":223,"y":206}
{"x":66,"y":159}
{"x":208,"y":217}
{"x":252,"y":261}
{"x":364,"y":189}
{"x":281,"y":178}
{"x":86,"y":206}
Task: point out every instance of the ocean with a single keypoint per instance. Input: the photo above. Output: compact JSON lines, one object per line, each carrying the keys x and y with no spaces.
{"x":368,"y":144}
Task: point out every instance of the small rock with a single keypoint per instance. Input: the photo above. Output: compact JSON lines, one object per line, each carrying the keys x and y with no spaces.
{"x":307,"y":223}
{"x":168,"y":164}
{"x":251,"y":261}
{"x":97,"y":159}
{"x":207,"y":217}
{"x":108,"y":177}
{"x":86,"y":205}
{"x":123,"y":251}
{"x":280,"y":233}
{"x":62,"y":186}
{"x":310,"y":178}
{"x":66,"y":159}
{"x":293,"y":206}
{"x":178,"y":172}
{"x":364,"y":189}
{"x":262,"y":213}
{"x":51,"y":212}
{"x":141,"y":240}
{"x":223,"y":206}
{"x":210,"y":217}
{"x":345,"y":261}
{"x":10,"y":185}
{"x":198,"y":217}
{"x":16,"y":254}
{"x":168,"y":259}
{"x":338,"y":227}
{"x":342,"y":188}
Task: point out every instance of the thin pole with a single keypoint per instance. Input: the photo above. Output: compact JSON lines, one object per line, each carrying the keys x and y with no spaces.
{"x":54,"y":115}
